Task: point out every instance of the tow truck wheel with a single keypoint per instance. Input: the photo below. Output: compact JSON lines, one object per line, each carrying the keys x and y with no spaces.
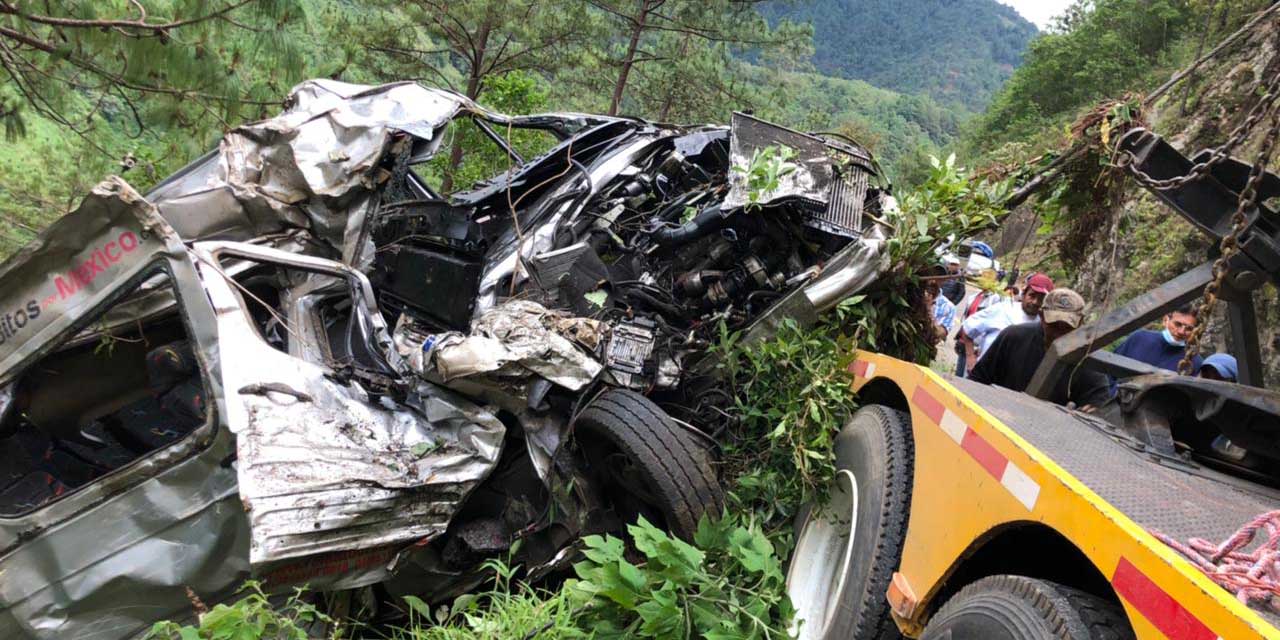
{"x":847,"y":550}
{"x":1020,"y":608}
{"x":647,"y":465}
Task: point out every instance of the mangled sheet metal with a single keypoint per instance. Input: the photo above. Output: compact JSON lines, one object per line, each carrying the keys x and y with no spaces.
{"x":324,"y":465}
{"x":313,"y":167}
{"x":352,"y":449}
{"x":73,"y":265}
{"x":510,"y":344}
{"x":113,"y":556}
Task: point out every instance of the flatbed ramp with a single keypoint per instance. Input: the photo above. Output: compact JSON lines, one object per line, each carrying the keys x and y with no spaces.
{"x":1179,"y":499}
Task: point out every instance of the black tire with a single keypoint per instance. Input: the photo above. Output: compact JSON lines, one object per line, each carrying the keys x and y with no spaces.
{"x":648,"y":465}
{"x":1019,"y":608}
{"x":875,"y":445}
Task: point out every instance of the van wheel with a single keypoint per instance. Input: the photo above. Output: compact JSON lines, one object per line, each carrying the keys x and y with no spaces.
{"x":846,"y":550}
{"x":1020,"y":608}
{"x":646,"y":464}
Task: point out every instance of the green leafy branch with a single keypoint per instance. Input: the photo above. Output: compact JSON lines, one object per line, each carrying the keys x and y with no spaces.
{"x":730,"y":585}
{"x":764,"y":172}
{"x":253,"y":617}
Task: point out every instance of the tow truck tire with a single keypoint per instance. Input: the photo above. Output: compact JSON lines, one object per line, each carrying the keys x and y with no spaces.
{"x":623,"y":428}
{"x":1019,"y":608}
{"x":839,"y":582}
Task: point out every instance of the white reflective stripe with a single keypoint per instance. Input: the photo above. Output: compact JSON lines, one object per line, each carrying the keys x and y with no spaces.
{"x":1020,"y":485}
{"x":871,"y":370}
{"x":953,"y":425}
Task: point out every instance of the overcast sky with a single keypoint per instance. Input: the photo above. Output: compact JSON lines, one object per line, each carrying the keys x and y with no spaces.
{"x":1038,"y":11}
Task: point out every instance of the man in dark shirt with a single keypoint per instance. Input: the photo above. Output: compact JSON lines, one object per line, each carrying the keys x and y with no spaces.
{"x":1013,"y":358}
{"x":1165,"y":348}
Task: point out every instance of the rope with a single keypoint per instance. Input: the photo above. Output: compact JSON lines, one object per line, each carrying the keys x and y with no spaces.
{"x":1253,"y":577}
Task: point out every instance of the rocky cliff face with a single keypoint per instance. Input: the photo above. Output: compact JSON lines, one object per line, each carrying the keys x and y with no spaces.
{"x":1142,"y":243}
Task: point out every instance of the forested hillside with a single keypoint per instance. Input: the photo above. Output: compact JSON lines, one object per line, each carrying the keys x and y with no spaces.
{"x":1094,"y":228}
{"x":955,"y":51}
{"x":153,"y":106}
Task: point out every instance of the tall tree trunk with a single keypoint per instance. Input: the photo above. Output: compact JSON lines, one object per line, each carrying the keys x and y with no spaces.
{"x":474,"y":79}
{"x":1204,"y":34}
{"x":629,"y":59}
{"x":667,"y":100}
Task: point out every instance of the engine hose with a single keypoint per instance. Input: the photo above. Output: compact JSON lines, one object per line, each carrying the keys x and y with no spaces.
{"x":653,"y":302}
{"x":707,"y":221}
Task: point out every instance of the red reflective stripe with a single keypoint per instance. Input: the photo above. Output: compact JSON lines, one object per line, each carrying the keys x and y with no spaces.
{"x":858,"y":368}
{"x":986,"y":455}
{"x":1158,"y":607}
{"x":928,"y":404}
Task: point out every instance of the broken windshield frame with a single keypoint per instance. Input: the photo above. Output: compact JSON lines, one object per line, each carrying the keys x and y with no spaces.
{"x":310,"y":296}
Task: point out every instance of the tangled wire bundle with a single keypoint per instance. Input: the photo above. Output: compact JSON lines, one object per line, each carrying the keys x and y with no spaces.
{"x":1254,"y":577}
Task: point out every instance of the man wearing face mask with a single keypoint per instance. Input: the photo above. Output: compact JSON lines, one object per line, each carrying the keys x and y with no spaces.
{"x":1165,"y":348}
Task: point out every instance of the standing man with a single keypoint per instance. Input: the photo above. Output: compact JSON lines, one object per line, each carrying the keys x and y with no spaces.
{"x":964,"y":346}
{"x":1165,"y":348}
{"x":1014,"y":356}
{"x":954,"y":289}
{"x":944,"y":312}
{"x":982,"y":328}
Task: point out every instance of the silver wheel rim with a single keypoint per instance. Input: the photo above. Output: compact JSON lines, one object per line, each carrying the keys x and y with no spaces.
{"x":824,"y":549}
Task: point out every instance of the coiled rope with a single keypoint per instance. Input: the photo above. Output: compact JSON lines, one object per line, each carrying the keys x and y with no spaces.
{"x":1253,"y":576}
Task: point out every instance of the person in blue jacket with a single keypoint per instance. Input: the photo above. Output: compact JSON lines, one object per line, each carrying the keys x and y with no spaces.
{"x":1164,"y":348}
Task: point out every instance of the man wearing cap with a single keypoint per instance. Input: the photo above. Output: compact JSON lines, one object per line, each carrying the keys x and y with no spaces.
{"x":1015,"y":355}
{"x":981,"y":328}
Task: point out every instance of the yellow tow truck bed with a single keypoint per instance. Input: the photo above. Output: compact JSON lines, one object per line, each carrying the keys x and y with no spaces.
{"x":989,"y":461}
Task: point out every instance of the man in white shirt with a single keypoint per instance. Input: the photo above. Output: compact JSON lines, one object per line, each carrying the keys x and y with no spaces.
{"x":982,"y":327}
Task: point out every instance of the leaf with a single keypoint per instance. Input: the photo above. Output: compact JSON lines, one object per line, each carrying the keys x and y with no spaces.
{"x":632,"y":574}
{"x":420,"y":449}
{"x":712,"y":533}
{"x":922,"y":224}
{"x":754,"y":551}
{"x":596,"y":298}
{"x":661,"y":618}
{"x":602,"y":550}
{"x":687,"y":216}
{"x":418,"y":606}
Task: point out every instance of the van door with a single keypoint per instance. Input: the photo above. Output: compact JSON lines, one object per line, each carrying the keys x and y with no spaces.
{"x":341,"y":461}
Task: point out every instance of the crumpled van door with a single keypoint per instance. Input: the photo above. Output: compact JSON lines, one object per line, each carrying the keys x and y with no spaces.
{"x":334,"y":475}
{"x":115,"y":550}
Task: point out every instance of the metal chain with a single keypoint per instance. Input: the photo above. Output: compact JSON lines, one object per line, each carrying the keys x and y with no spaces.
{"x":1220,"y":153}
{"x":1230,"y":245}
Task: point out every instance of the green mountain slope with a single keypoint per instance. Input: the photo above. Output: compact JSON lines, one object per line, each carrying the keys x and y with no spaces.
{"x":894,"y":125}
{"x":955,"y":51}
